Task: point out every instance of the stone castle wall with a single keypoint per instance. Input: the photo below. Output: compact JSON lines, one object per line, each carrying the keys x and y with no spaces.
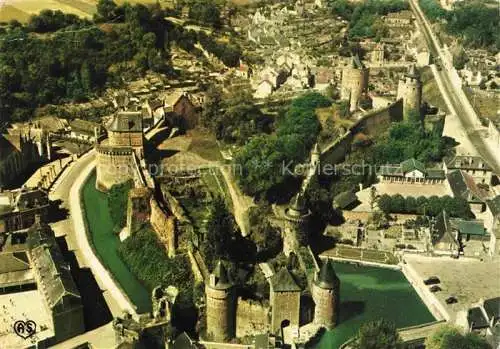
{"x":371,"y":123}
{"x":284,"y":306}
{"x":220,"y":314}
{"x":354,"y":83}
{"x":114,"y":166}
{"x":251,"y":317}
{"x":164,"y":226}
{"x":126,"y":139}
{"x":326,"y":305}
{"x":410,"y":91}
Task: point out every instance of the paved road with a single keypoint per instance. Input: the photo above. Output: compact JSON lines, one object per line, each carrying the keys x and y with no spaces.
{"x":61,"y":191}
{"x":454,"y":97}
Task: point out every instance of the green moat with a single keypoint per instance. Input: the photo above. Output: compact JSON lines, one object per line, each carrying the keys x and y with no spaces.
{"x":105,"y":244}
{"x":366,"y":293}
{"x":370,"y":293}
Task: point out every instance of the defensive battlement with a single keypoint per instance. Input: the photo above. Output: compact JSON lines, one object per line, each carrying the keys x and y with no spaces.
{"x":113,"y":151}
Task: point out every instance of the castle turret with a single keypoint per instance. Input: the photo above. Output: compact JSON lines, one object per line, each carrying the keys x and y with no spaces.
{"x":326,"y":292}
{"x":410,"y":91}
{"x":296,"y":224}
{"x":354,"y":82}
{"x":220,"y":305}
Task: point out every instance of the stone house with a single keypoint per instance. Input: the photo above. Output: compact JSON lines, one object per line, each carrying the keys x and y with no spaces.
{"x":264,"y":89}
{"x":180,"y":110}
{"x":410,"y":171}
{"x":19,"y":208}
{"x":474,"y":166}
{"x":284,"y":300}
{"x":462,"y":185}
{"x":84,"y":130}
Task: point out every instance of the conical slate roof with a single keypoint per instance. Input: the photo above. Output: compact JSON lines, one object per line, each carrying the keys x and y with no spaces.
{"x":413,"y":72}
{"x":297,"y":206}
{"x":221,"y":277}
{"x":316,"y":148}
{"x":327,"y":278}
{"x":283,"y":281}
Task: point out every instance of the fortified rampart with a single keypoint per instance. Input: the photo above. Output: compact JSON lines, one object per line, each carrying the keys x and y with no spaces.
{"x":370,"y":123}
{"x":164,"y":226}
{"x":114,"y":166}
{"x":252,"y":317}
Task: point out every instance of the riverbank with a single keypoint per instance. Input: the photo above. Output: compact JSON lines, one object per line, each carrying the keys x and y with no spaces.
{"x":119,"y":301}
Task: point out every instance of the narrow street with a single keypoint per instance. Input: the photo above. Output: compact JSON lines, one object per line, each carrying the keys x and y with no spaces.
{"x":453,"y":97}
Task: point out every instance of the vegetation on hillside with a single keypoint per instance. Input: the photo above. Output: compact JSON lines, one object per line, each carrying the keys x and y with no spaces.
{"x":267,"y":161}
{"x":365,"y":17}
{"x":117,"y":202}
{"x":475,"y":22}
{"x":449,"y":337}
{"x":73,"y":59}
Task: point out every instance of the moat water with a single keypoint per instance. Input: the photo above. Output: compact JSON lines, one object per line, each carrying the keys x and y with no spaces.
{"x":366,"y":293}
{"x":371,"y":293}
{"x":105,"y":244}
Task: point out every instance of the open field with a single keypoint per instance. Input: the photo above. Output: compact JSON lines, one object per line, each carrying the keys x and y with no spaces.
{"x":21,"y":10}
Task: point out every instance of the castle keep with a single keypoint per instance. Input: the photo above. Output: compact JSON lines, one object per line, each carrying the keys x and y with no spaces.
{"x":326,"y":292}
{"x":354,"y":83}
{"x":410,"y":91}
{"x":220,"y":305}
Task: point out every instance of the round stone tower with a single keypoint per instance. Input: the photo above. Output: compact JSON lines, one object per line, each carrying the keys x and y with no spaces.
{"x":354,"y":82}
{"x":296,"y":224}
{"x":410,"y":91}
{"x":326,"y":292}
{"x":220,"y":305}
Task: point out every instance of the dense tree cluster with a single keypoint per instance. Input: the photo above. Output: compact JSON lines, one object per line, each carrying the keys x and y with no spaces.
{"x":432,"y":206}
{"x":223,"y":240}
{"x":269,"y":160}
{"x":233,"y":117}
{"x":49,"y":21}
{"x":205,"y":11}
{"x":410,"y":139}
{"x":380,"y":334}
{"x":475,"y":22}
{"x":266,"y":238}
{"x":449,"y":337}
{"x":365,"y":17}
{"x":74,"y":59}
{"x":228,"y":54}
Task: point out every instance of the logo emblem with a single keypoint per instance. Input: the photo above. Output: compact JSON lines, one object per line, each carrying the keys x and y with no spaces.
{"x":25,"y":329}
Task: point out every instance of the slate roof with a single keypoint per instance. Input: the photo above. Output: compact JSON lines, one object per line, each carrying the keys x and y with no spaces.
{"x":126,"y":121}
{"x":183,"y":342}
{"x":356,"y":62}
{"x":297,"y":206}
{"x":327,"y":278}
{"x":442,"y":230}
{"x":476,"y":319}
{"x":467,"y":163}
{"x":411,"y":165}
{"x":492,"y":308}
{"x":494,"y":206}
{"x":83,"y":126}
{"x":471,"y":227}
{"x":11,"y":262}
{"x":463,"y":186}
{"x":222,"y":280}
{"x":53,"y":273}
{"x":345,"y":199}
{"x":283,"y":281}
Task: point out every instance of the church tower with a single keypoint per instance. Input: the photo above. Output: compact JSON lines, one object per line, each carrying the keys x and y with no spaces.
{"x":410,"y":90}
{"x":326,"y":293}
{"x":220,"y":305}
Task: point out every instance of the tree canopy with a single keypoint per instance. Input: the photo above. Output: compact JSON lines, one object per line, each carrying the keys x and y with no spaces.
{"x":449,"y":337}
{"x":380,"y":334}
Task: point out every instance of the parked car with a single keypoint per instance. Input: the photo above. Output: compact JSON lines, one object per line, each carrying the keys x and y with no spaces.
{"x":432,"y":281}
{"x":435,"y":288}
{"x":451,"y":300}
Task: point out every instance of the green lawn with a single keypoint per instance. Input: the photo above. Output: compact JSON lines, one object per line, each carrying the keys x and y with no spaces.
{"x":369,"y":293}
{"x":105,"y":244}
